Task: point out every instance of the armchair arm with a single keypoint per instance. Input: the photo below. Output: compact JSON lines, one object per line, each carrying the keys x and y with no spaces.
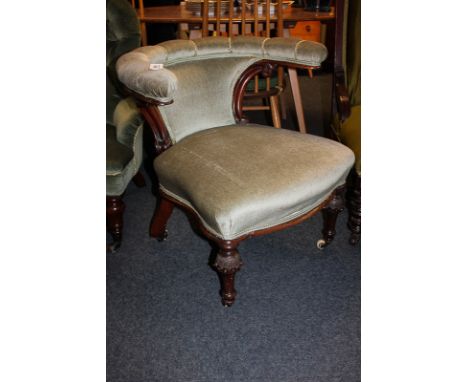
{"x":127,"y":122}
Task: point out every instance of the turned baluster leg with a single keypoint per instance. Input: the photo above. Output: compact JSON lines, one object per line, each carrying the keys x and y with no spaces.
{"x":161,"y":215}
{"x":227,"y":263}
{"x":114,"y":213}
{"x":330,"y":214}
{"x":354,"y":219}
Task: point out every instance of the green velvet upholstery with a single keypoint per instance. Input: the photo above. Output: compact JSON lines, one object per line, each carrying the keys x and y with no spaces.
{"x":134,"y":68}
{"x":124,"y":147}
{"x":199,"y":75}
{"x":117,"y":154}
{"x":237,"y":178}
{"x":244,"y":178}
{"x":124,"y":125}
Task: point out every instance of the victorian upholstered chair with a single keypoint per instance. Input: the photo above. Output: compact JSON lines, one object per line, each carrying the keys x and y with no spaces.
{"x":124,"y":124}
{"x":236,"y":179}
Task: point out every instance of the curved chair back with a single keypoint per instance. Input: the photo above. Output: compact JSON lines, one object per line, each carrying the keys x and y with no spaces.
{"x":200,"y":76}
{"x":122,"y":36}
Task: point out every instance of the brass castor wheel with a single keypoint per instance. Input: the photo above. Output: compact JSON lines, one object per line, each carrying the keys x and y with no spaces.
{"x":163,"y":237}
{"x":321,"y":244}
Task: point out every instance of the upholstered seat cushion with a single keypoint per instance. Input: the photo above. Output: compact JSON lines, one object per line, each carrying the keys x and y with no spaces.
{"x":242,"y":178}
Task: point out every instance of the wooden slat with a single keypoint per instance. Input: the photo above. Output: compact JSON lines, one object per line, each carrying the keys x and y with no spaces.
{"x":279,"y":16}
{"x":141,"y":7}
{"x":231,"y":15}
{"x":218,"y":17}
{"x":255,"y":10}
{"x":243,"y":18}
{"x":205,"y":9}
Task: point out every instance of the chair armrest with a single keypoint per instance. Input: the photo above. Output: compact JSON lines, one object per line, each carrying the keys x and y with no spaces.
{"x":127,"y":121}
{"x":135,"y":72}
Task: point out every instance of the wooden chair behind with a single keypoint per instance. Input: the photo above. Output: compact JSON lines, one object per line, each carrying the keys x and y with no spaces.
{"x":248,"y":21}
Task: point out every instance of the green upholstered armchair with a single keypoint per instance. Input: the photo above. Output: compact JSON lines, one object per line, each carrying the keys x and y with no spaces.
{"x":124,"y":125}
{"x":236,"y":179}
{"x":347,"y":125}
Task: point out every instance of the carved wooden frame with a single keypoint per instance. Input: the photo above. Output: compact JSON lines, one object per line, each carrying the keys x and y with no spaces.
{"x":228,"y":260}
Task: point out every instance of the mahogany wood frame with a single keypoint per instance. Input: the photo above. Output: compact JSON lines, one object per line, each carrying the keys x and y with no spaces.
{"x":228,"y":261}
{"x":354,"y":207}
{"x":115,"y":208}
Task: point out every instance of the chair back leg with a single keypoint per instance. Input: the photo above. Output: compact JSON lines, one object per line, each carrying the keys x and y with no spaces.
{"x":114,"y":215}
{"x":330,"y":214}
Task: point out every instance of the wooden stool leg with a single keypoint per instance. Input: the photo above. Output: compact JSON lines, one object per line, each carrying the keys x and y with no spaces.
{"x":296,"y":92}
{"x":330,"y":214}
{"x":354,"y":208}
{"x":114,"y":216}
{"x":161,"y":215}
{"x":275,"y":112}
{"x":227,"y":263}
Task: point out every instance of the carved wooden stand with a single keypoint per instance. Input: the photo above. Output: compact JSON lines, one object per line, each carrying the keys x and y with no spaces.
{"x":115,"y":208}
{"x":227,"y":263}
{"x":114,"y":214}
{"x":330,"y":214}
{"x":354,"y":207}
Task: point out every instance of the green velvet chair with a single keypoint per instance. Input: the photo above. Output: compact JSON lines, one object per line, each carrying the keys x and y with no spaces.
{"x":348,"y":119}
{"x":235,"y":179}
{"x":124,"y":124}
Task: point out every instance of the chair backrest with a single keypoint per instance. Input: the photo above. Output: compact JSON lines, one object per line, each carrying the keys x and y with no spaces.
{"x":122,"y":36}
{"x":200,"y":76}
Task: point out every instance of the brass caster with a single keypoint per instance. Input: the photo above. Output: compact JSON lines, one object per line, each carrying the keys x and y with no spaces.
{"x":321,"y":244}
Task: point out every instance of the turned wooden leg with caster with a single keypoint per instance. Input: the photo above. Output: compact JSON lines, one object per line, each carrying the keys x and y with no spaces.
{"x":114,"y":216}
{"x":227,"y":263}
{"x":330,"y":214}
{"x":161,"y":215}
{"x":354,"y":207}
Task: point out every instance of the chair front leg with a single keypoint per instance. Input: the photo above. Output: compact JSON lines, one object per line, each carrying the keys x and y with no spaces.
{"x":330,"y":214}
{"x":227,"y":263}
{"x":161,"y":215}
{"x":114,"y":214}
